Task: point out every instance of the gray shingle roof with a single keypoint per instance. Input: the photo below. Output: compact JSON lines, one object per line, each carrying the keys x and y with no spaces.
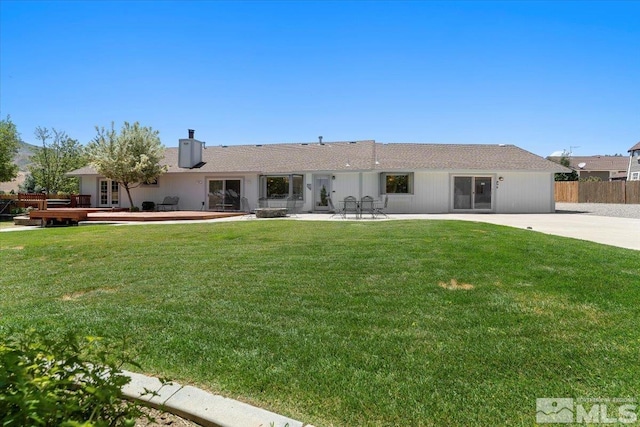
{"x":599,"y":163}
{"x":462,"y":156}
{"x":635,"y":147}
{"x":359,"y":156}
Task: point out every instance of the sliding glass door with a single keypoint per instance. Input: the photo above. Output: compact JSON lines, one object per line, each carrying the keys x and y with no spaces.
{"x":472,"y":192}
{"x":224,"y":194}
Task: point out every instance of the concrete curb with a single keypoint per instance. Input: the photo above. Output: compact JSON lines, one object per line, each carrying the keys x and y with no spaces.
{"x":201,"y":407}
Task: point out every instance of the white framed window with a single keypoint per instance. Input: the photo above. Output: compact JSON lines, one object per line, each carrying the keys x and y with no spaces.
{"x":282,"y":186}
{"x":396,"y":183}
{"x":635,"y":176}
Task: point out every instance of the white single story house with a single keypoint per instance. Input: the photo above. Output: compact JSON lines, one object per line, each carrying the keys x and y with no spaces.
{"x":416,"y":178}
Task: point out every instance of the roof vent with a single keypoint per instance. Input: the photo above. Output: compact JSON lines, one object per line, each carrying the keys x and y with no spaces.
{"x":191,"y":133}
{"x":320,"y":139}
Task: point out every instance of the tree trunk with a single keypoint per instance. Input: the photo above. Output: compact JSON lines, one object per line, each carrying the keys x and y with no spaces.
{"x":126,"y":187}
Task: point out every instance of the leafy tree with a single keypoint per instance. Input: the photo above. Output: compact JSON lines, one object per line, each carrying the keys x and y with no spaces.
{"x":58,"y":155}
{"x":563,"y":176}
{"x":130,"y":158}
{"x":29,"y":185}
{"x":9,"y":142}
{"x":591,"y":179}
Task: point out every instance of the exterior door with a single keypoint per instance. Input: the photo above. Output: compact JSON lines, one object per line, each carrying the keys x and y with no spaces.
{"x":224,"y":194}
{"x":472,"y":193}
{"x":108,"y":193}
{"x":483,"y":191}
{"x":321,"y":191}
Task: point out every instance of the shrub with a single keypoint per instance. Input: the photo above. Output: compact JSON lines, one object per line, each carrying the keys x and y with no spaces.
{"x":67,"y":382}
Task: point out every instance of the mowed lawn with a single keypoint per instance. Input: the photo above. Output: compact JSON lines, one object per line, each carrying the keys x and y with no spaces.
{"x":345,"y":323}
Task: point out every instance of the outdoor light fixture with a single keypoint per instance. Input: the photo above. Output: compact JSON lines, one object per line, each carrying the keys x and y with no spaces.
{"x":501,"y":178}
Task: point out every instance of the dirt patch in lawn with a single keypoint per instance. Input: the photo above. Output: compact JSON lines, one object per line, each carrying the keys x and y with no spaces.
{"x":453,"y":285}
{"x":80,"y":294}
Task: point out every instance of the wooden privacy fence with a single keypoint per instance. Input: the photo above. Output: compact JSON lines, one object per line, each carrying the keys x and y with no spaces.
{"x":625,"y":192}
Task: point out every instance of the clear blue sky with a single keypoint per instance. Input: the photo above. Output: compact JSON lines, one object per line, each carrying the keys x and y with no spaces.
{"x":545,"y":76}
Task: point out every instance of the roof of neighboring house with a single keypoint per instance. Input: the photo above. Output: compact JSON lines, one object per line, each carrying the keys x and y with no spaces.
{"x":598,"y":163}
{"x":635,"y":147}
{"x":358,"y":156}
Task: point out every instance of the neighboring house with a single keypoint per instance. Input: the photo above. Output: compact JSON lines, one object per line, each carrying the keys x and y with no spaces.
{"x":417,"y":178}
{"x":633,"y":171}
{"x":606,"y":168}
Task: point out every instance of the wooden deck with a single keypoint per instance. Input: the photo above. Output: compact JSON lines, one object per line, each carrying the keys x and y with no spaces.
{"x":74,"y":215}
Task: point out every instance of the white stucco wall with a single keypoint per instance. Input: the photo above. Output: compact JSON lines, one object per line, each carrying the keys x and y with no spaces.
{"x":525,"y":192}
{"x":518,"y":192}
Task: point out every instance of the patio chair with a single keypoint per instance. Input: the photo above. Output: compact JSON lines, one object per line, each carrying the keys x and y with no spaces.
{"x":333,"y":210}
{"x":246,"y":208}
{"x":380,"y":210}
{"x":351,"y":206}
{"x":168,"y":204}
{"x":366,"y":206}
{"x":291,"y":206}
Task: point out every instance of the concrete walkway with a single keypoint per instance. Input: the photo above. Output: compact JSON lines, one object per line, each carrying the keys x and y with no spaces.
{"x":206,"y":409}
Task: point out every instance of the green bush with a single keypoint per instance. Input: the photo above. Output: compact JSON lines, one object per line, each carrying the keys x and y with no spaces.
{"x":62,"y":382}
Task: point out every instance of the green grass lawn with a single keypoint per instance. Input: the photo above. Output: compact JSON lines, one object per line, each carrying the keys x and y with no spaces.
{"x":345,"y":323}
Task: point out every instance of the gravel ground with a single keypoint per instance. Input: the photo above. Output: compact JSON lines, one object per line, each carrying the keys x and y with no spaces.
{"x":600,"y":209}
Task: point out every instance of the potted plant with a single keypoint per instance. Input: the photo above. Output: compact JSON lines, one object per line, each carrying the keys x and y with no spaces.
{"x":323,"y":196}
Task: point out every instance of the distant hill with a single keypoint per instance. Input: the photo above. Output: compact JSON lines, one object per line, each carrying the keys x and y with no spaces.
{"x":22,"y":158}
{"x":25,"y":151}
